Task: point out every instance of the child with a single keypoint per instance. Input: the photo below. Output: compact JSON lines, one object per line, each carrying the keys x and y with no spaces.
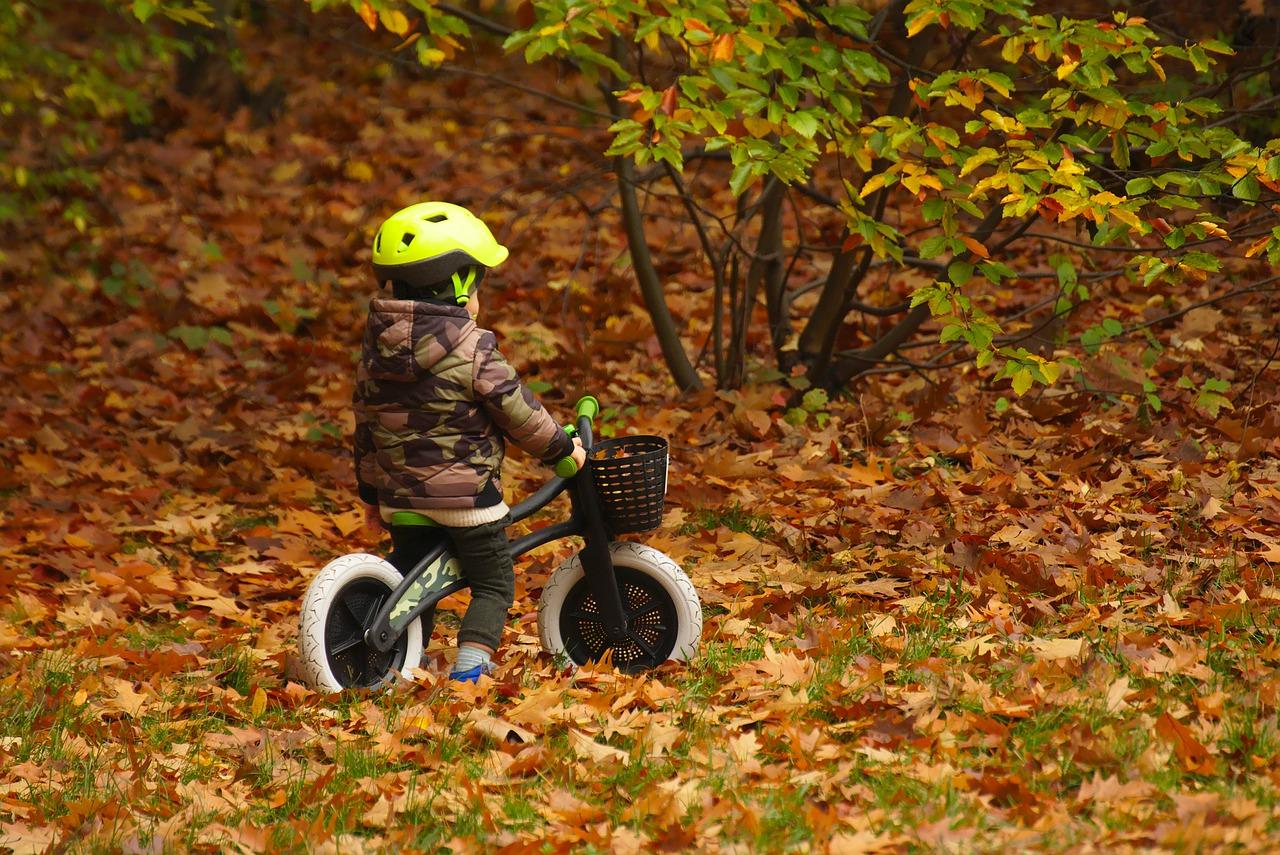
{"x":433,"y":401}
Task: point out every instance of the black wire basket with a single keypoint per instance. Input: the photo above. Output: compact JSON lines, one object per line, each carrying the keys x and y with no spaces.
{"x":630,"y":477}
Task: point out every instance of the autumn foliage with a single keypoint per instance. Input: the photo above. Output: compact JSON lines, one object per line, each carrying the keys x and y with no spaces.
{"x":939,"y":616}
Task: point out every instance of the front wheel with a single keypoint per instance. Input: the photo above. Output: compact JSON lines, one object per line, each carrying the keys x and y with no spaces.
{"x":340,"y":604}
{"x":663,"y":613}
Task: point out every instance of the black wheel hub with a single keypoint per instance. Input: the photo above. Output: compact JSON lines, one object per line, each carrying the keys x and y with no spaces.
{"x":355,"y":663}
{"x":652,"y":626}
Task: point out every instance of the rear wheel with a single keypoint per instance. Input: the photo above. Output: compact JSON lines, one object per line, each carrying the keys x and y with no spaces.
{"x":340,"y":604}
{"x":661,"y":608}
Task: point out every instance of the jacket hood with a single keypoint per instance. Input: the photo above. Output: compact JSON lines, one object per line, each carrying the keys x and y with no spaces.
{"x":404,"y":339}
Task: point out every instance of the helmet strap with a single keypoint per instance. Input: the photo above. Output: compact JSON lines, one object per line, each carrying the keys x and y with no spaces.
{"x":462,"y":285}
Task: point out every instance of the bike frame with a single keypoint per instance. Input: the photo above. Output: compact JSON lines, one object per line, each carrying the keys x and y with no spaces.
{"x":438,"y":574}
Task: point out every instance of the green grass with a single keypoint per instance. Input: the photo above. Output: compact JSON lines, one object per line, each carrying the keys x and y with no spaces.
{"x":733,"y":517}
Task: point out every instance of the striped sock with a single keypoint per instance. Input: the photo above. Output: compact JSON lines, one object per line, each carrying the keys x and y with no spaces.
{"x":469,"y":657}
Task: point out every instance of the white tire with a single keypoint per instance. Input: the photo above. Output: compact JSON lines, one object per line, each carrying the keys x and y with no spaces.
{"x":360,"y":579}
{"x":667,"y":582}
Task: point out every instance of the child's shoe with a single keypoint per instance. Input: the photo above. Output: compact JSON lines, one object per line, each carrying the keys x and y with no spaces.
{"x":471,"y":675}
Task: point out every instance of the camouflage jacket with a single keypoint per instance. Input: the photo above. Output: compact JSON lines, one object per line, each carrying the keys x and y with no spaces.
{"x":433,"y":401}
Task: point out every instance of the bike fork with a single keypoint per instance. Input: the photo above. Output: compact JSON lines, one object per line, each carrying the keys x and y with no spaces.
{"x":597,"y":560}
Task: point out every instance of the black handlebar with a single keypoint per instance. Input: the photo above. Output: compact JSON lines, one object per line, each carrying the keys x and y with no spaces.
{"x":547,"y":493}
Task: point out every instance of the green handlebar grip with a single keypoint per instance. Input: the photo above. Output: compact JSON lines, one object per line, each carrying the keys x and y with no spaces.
{"x":588,"y":406}
{"x":566,"y":467}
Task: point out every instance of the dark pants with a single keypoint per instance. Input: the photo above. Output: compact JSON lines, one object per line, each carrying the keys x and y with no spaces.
{"x":486,"y":564}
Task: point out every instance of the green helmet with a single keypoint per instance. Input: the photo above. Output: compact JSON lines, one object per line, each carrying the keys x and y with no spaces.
{"x":432,"y":243}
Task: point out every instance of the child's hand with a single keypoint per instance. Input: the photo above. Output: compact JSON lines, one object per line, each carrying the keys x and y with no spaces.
{"x":579,"y":454}
{"x":373,"y":518}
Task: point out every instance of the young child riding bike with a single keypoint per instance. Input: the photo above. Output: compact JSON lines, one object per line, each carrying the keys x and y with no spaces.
{"x":434,"y":401}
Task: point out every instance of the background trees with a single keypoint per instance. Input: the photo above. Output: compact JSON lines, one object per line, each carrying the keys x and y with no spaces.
{"x":871,"y":187}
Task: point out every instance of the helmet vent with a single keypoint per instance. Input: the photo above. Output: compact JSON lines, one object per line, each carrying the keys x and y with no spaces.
{"x":406,"y":239}
{"x":438,"y":218}
{"x":377,"y":242}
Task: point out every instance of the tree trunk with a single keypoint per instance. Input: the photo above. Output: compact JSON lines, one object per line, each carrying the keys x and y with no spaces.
{"x":664,"y":326}
{"x":827,"y":314}
{"x":771,"y":223}
{"x":206,"y":74}
{"x":819,"y":335}
{"x":772,"y":270}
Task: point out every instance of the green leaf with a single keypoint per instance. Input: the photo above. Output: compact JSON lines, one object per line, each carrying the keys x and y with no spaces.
{"x":1247,"y":189}
{"x":1138,"y":186}
{"x":1216,"y":384}
{"x":815,"y":400}
{"x":1092,"y":339}
{"x":934,"y":246}
{"x":1213,"y":403}
{"x":741,"y":178}
{"x":195,"y":338}
{"x":803,"y":123}
{"x":1120,"y":152}
{"x":960,"y":272}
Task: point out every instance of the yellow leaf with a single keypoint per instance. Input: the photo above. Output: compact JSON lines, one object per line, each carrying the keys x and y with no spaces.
{"x":882,"y":625}
{"x":78,"y":542}
{"x":588,"y":749}
{"x":752,"y":44}
{"x":757,"y":126}
{"x":1022,"y":381}
{"x":286,"y":172}
{"x":1064,"y":70}
{"x":921,"y":22}
{"x":873,"y":184}
{"x":979,"y":646}
{"x":258,"y":705}
{"x":126,"y":700}
{"x":1059,"y":648}
{"x":979,"y":157}
{"x":358,"y":170}
{"x":395,"y":21}
{"x":1129,"y":218}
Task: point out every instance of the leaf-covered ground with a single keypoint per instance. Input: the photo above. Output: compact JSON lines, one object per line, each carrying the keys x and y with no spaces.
{"x":931,"y":626}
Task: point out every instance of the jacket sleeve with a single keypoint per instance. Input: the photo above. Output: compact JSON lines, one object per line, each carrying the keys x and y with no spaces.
{"x":513,"y":406}
{"x":364,"y":455}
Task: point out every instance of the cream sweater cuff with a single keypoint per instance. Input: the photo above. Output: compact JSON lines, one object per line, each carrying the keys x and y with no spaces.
{"x":459,"y":517}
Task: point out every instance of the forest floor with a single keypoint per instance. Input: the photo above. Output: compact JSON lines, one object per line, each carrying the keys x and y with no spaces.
{"x":932,"y":623}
